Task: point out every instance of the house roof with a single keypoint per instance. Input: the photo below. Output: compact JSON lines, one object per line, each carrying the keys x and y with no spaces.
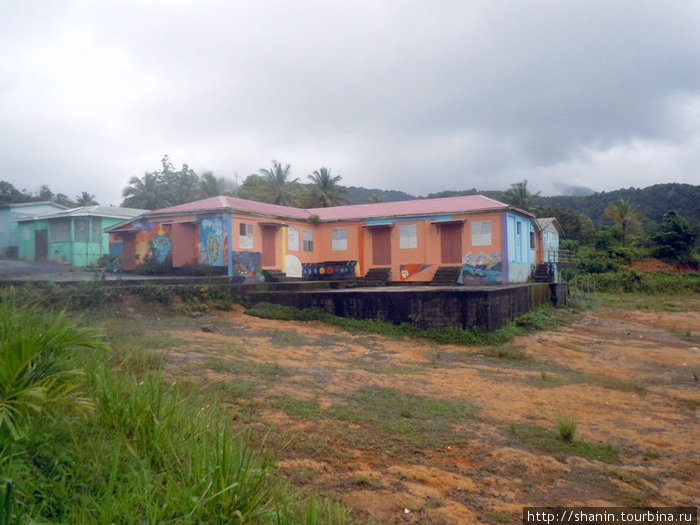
{"x":90,"y":211}
{"x":222,"y":203}
{"x":551,"y":223}
{"x":379,"y":210}
{"x":32,"y":204}
{"x":463,"y":204}
{"x":467,"y":204}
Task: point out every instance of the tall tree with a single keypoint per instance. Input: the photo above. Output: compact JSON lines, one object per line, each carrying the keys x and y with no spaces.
{"x":9,"y":194}
{"x":625,"y":214}
{"x":519,"y":196}
{"x":324,"y":190}
{"x":180,"y":186}
{"x":674,"y":239}
{"x":85,"y":199}
{"x":211,"y":186}
{"x":45,"y":193}
{"x":145,"y":192}
{"x":276,"y":187}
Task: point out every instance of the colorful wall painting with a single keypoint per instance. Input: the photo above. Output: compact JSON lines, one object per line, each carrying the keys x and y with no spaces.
{"x":406,"y":271}
{"x":248,"y":265}
{"x":213,"y":243}
{"x":160,"y":245}
{"x":481,"y":268}
{"x":328,"y":269}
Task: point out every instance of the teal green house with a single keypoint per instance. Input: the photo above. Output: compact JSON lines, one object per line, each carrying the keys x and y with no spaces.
{"x":74,"y":236}
{"x":9,"y":228}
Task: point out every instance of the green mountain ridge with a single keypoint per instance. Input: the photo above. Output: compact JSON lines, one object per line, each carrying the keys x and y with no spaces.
{"x":653,"y":201}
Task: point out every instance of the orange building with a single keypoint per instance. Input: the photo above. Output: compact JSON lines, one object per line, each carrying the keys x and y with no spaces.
{"x":490,"y":241}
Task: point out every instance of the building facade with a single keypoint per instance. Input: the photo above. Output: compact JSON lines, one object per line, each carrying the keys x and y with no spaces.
{"x":490,"y":241}
{"x":74,"y":236}
{"x":9,"y":227}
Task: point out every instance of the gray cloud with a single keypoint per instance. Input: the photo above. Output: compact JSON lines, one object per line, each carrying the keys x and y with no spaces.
{"x":405,"y":95}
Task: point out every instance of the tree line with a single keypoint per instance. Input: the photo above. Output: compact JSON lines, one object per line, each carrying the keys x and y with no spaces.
{"x":274,"y":185}
{"x":11,"y":195}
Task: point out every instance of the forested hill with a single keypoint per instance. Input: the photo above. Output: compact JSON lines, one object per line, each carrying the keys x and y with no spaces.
{"x":653,"y":201}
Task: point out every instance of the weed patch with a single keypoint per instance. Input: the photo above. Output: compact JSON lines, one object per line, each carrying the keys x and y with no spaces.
{"x":533,"y":436}
{"x":400,"y":421}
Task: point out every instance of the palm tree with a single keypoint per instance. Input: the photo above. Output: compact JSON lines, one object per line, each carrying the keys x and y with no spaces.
{"x":275,"y":186}
{"x":211,"y":186}
{"x":324,"y":190}
{"x":624,"y":213}
{"x":519,"y":196}
{"x":85,"y":199}
{"x":38,"y":364}
{"x":147,"y":192}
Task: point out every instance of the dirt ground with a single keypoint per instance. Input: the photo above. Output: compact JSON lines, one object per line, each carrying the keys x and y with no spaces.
{"x":628,"y":378}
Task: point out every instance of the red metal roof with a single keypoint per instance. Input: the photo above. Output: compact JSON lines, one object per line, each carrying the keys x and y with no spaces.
{"x":451,"y":205}
{"x":231,"y":203}
{"x":466,"y":203}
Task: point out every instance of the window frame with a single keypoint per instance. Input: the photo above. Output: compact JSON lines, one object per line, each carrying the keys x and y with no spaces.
{"x":408,"y":236}
{"x":339,"y":239}
{"x":308,"y":240}
{"x":245,"y":234}
{"x":293,"y":239}
{"x":479,"y":233}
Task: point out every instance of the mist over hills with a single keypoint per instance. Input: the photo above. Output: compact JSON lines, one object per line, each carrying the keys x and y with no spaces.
{"x":653,"y":201}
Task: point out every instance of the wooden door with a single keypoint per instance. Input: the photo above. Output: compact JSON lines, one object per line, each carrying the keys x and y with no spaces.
{"x":129,"y":251}
{"x":381,"y":246}
{"x":451,"y":242}
{"x":269,"y":254}
{"x":41,"y":245}
{"x":184,"y":245}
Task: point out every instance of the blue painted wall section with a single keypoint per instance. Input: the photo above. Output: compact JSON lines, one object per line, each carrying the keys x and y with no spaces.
{"x":521,"y":258}
{"x":212,"y":242}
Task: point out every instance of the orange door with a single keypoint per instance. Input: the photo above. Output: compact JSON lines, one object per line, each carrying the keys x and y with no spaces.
{"x":451,"y":242}
{"x":268,"y":246}
{"x":381,"y":246}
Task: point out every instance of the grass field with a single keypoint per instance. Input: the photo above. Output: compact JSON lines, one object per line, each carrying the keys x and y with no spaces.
{"x":601,"y":410}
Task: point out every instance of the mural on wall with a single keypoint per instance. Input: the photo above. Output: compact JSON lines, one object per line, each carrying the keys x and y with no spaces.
{"x":406,"y":271}
{"x":213,"y":242}
{"x":153,"y":241}
{"x":248,"y":265}
{"x":161,"y":245}
{"x":482,"y":267}
{"x":326,"y":270}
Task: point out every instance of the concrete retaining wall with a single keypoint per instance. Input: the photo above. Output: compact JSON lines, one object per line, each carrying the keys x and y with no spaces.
{"x":486,"y":308}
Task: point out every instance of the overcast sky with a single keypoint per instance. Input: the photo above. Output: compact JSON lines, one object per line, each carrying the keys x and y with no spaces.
{"x":415,"y":96}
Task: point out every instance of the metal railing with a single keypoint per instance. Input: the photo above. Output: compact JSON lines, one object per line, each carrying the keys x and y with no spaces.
{"x":561,"y":256}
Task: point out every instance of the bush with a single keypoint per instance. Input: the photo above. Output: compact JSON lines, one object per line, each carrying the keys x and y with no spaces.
{"x":201,"y":269}
{"x":649,"y":283}
{"x":111,"y":262}
{"x":566,"y":428}
{"x":151,"y":266}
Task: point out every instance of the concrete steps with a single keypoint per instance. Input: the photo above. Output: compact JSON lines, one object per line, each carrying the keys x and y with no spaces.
{"x":446,"y":276}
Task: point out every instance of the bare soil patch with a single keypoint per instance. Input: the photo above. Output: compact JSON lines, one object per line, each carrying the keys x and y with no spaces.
{"x":407,"y":431}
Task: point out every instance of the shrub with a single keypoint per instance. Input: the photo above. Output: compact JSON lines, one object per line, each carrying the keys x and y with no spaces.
{"x":151,"y":266}
{"x":566,"y":428}
{"x":37,"y":366}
